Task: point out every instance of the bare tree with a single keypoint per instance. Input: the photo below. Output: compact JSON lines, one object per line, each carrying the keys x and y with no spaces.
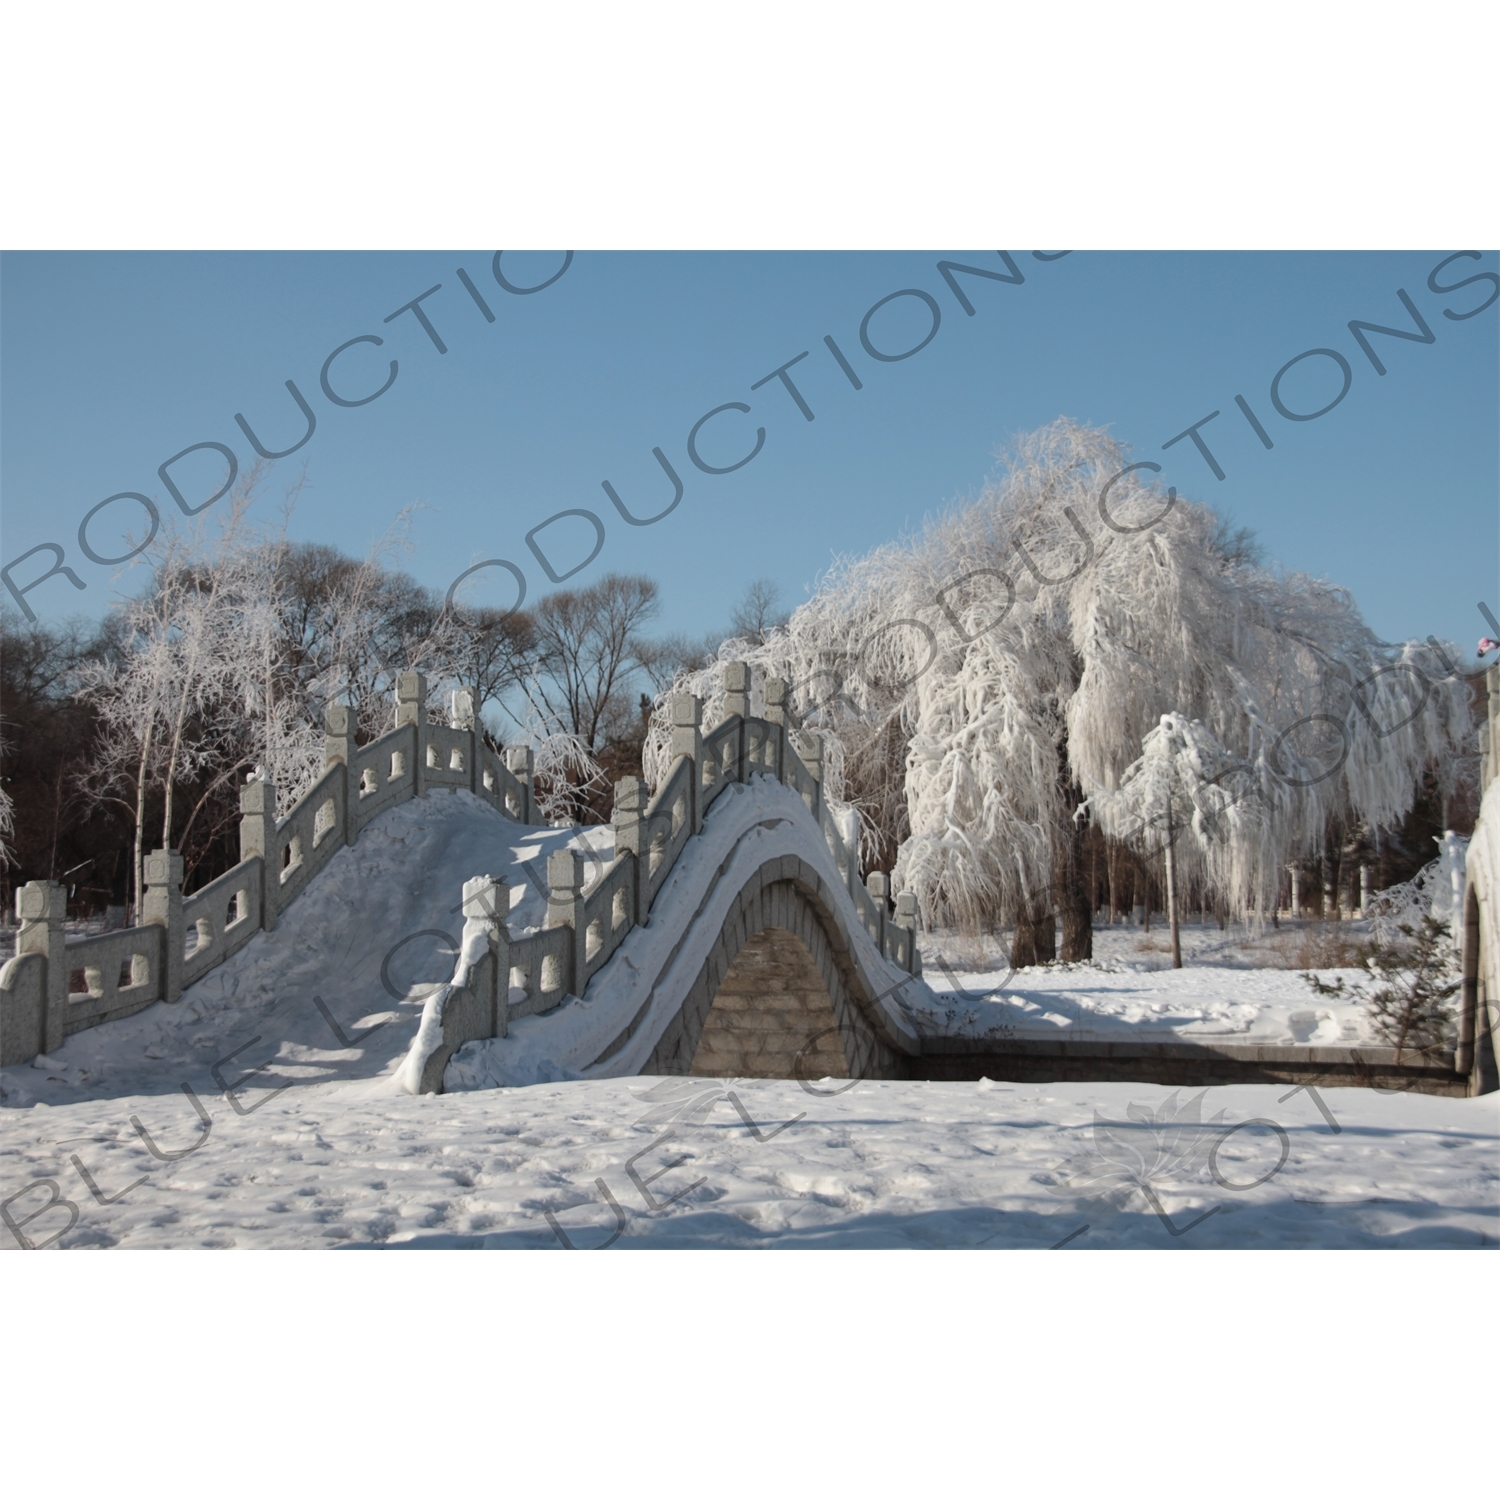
{"x":665,"y":660}
{"x":48,"y":738}
{"x":494,"y":653}
{"x":757,"y":615}
{"x":171,"y":667}
{"x":587,"y":649}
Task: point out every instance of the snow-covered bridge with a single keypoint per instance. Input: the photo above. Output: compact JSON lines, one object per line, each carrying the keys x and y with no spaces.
{"x":717,"y":927}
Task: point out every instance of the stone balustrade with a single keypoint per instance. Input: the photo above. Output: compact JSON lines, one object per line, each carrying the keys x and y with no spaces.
{"x":53,"y":988}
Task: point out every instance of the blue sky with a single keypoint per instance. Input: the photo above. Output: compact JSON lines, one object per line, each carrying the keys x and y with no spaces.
{"x":112,"y":363}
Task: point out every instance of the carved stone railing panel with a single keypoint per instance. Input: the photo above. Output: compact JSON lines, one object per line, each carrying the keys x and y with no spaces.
{"x":610,"y":912}
{"x":382,"y":775}
{"x":221,"y":918}
{"x":306,"y":841}
{"x":539,"y":967}
{"x":112,"y":975}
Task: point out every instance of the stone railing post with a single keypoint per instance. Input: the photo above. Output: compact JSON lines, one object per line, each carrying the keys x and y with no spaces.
{"x":411,"y":708}
{"x":810,"y":748}
{"x":737,"y":705}
{"x":338,"y":734}
{"x":736,"y":689}
{"x":502,"y":963}
{"x":687,"y":739}
{"x":42,"y":906}
{"x":520,"y":761}
{"x":878,"y":884}
{"x":565,"y":909}
{"x":906,"y":916}
{"x":462,"y":716}
{"x":338,"y":749}
{"x":487,"y":900}
{"x":162,"y":907}
{"x":776,"y":713}
{"x":258,"y":836}
{"x":411,"y":699}
{"x":632,"y":834}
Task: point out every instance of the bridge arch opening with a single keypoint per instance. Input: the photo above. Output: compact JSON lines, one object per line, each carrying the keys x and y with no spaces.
{"x":778,"y":995}
{"x":771,"y":1009}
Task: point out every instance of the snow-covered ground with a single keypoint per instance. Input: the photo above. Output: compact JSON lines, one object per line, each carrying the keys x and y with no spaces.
{"x":1235,"y":986}
{"x":647,"y":1163}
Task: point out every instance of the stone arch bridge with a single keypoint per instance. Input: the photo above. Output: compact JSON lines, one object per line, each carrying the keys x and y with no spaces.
{"x":724,"y":931}
{"x":728,"y":933}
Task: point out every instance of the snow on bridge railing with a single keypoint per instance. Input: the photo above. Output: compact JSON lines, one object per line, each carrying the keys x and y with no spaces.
{"x":526,"y":976}
{"x":53,"y":988}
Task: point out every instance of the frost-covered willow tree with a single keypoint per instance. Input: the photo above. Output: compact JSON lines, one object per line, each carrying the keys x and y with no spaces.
{"x":990,"y":684}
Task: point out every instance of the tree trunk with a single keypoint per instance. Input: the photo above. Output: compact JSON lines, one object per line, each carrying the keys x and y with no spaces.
{"x":166,"y":818}
{"x":1036,"y":938}
{"x":1023,"y":944}
{"x":1077,"y":912}
{"x":139,"y":871}
{"x":56,"y":821}
{"x":1077,"y":929}
{"x":1072,"y":891}
{"x":1171,"y":860}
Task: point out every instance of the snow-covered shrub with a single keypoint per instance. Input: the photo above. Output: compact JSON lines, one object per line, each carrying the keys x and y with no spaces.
{"x":1418,"y":975}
